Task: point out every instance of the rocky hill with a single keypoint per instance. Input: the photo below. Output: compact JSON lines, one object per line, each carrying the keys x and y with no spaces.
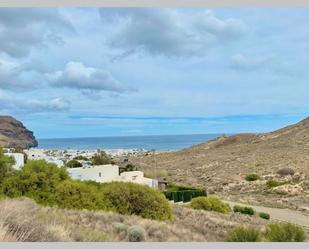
{"x":222,"y":164}
{"x":14,"y":134}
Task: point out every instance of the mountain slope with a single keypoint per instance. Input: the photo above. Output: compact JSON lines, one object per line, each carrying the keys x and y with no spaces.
{"x":14,"y":134}
{"x":222,"y":164}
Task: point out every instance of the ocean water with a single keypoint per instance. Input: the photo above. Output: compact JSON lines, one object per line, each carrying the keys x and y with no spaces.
{"x":160,"y":142}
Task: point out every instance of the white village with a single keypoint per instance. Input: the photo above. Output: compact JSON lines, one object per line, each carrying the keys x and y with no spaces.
{"x":87,"y":172}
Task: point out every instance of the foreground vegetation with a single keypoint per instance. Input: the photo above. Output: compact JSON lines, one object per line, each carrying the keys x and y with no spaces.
{"x":51,"y":186}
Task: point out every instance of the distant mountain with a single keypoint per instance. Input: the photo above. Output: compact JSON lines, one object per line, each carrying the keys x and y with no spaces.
{"x":14,"y":134}
{"x":222,"y":164}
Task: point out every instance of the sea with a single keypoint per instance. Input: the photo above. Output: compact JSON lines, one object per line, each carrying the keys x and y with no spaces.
{"x":154,"y":142}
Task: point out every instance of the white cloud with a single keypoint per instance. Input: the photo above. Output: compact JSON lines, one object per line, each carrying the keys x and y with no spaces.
{"x":169,"y":32}
{"x":77,"y":75}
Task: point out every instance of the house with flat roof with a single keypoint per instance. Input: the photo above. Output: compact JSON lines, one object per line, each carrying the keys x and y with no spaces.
{"x":110,"y":173}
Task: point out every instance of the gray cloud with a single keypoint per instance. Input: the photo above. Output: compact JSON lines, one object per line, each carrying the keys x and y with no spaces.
{"x":13,"y":103}
{"x":88,"y":79}
{"x":16,"y":77}
{"x":169,"y":32}
{"x":22,"y":29}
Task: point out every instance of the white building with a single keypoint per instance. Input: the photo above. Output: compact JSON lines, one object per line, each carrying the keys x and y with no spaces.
{"x":110,"y":173}
{"x":40,"y":154}
{"x":19,"y":159}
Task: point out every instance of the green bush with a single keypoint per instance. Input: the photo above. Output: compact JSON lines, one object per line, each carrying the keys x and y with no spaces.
{"x":78,"y":195}
{"x":36,"y":180}
{"x":252,"y":177}
{"x":73,"y":164}
{"x":210,"y":203}
{"x":6,"y":165}
{"x":131,"y":198}
{"x":244,"y":234}
{"x":243,"y":210}
{"x":284,"y":232}
{"x":273,"y":183}
{"x":136,"y":234}
{"x":263,"y":215}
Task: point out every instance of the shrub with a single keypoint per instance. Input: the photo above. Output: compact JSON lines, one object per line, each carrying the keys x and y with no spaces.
{"x":73,"y":164}
{"x":36,"y":180}
{"x":244,"y":234}
{"x":136,"y":234}
{"x":210,"y":203}
{"x":131,"y":167}
{"x":273,"y":183}
{"x":131,"y":198}
{"x":78,"y":195}
{"x":265,"y":216}
{"x":6,"y":165}
{"x":285,"y":172}
{"x":252,"y":177}
{"x":80,"y":157}
{"x":284,"y":232}
{"x":243,"y":210}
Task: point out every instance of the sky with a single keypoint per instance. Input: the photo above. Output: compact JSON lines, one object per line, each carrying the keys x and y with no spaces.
{"x":89,"y":72}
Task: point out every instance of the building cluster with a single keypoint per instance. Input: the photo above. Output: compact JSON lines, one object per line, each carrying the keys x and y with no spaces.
{"x":98,"y":173}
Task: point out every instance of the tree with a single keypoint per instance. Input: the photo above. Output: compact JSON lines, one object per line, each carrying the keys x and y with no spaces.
{"x":100,"y":158}
{"x":6,"y":165}
{"x":73,"y":164}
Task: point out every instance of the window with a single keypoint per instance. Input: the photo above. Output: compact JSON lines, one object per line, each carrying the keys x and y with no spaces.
{"x":99,"y":174}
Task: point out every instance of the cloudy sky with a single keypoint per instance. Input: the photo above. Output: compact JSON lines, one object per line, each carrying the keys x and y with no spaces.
{"x":84,"y":72}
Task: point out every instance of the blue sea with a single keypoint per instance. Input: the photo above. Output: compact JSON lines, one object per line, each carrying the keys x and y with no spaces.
{"x":159,"y":142}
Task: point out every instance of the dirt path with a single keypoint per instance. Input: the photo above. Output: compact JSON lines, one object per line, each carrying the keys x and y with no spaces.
{"x":288,"y":215}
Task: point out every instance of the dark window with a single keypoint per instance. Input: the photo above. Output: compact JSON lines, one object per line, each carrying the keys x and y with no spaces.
{"x":99,"y":174}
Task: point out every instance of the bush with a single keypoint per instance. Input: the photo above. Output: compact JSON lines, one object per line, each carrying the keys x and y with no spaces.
{"x":243,"y":210}
{"x":265,"y":216}
{"x":273,"y":183}
{"x":36,"y":180}
{"x":131,"y":198}
{"x":210,"y":203}
{"x":244,"y":234}
{"x":252,"y":177}
{"x":6,"y":165}
{"x":284,"y":232}
{"x":73,"y":164}
{"x":78,"y":195}
{"x":285,"y":172}
{"x":136,"y":234}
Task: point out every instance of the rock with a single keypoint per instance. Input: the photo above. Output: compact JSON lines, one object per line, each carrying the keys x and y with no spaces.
{"x":14,"y":134}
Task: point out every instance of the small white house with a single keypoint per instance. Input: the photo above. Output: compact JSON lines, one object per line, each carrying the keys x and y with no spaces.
{"x":138,"y":177}
{"x":110,"y":173}
{"x":102,"y":173}
{"x":19,"y":159}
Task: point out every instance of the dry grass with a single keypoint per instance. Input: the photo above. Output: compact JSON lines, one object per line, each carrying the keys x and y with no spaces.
{"x":222,"y":164}
{"x":24,"y":220}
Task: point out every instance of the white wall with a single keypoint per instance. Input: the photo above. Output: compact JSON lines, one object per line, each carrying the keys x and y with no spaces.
{"x":101,"y":173}
{"x":19,"y":159}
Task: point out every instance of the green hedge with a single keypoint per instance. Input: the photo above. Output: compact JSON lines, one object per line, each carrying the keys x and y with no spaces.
{"x":183,"y":193}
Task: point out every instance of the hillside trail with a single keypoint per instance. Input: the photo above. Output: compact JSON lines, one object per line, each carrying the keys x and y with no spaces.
{"x":279,"y":214}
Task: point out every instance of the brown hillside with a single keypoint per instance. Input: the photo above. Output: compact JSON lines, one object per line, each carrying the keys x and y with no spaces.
{"x":221,"y":165}
{"x":14,"y":134}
